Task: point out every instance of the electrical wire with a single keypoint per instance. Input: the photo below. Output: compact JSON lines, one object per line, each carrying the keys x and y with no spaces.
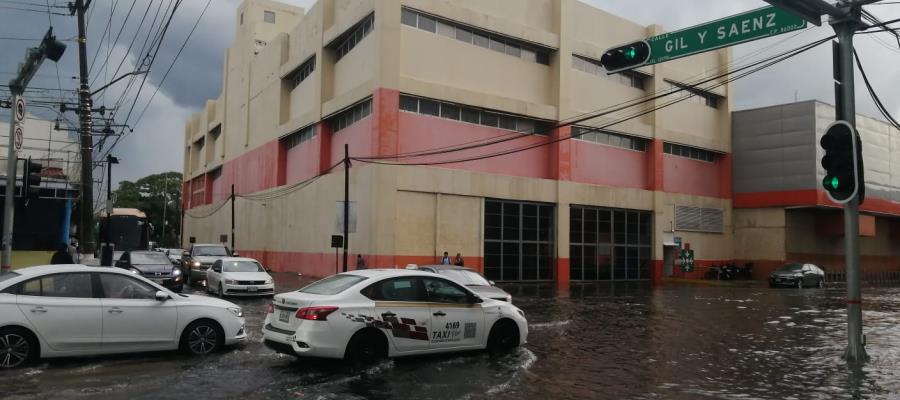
{"x":878,"y":104}
{"x":763,"y":65}
{"x":116,"y":41}
{"x":208,"y":213}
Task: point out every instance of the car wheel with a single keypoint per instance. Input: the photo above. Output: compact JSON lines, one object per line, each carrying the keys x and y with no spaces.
{"x":221,"y":293}
{"x":366,"y":347}
{"x":821,"y":283}
{"x":202,"y":337}
{"x":800,"y":283}
{"x":178,"y":289}
{"x":17,"y":348}
{"x":504,"y":336}
{"x":187,"y":278}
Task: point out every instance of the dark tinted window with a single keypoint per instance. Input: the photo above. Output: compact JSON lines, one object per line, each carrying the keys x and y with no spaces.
{"x":210,"y":251}
{"x":397,"y":289}
{"x":333,"y":284}
{"x":443,"y":291}
{"x":59,"y":285}
{"x":149,"y":258}
{"x":117,"y":286}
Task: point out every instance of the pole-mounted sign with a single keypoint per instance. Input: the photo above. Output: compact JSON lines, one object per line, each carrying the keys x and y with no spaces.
{"x":728,"y":31}
{"x":20,"y":110}
{"x":20,"y":137}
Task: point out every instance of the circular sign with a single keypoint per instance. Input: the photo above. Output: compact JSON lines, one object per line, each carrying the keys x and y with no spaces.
{"x":20,"y":137}
{"x":20,"y":109}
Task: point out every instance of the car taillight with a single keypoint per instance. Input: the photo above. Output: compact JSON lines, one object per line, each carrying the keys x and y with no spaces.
{"x":315,"y":313}
{"x":270,"y":309}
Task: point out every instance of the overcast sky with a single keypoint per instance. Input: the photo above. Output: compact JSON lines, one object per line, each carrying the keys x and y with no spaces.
{"x":156,"y":145}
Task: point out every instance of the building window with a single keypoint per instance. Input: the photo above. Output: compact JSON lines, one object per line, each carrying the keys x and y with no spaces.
{"x":697,"y":96}
{"x":353,"y":36}
{"x":689,"y":152}
{"x":518,"y":241}
{"x":609,"y":244}
{"x":634,"y":79}
{"x":699,"y":219}
{"x":610,"y":138}
{"x":302,"y":72}
{"x":302,"y":135}
{"x":474,"y":115}
{"x":269,"y":17}
{"x":351,"y":115}
{"x":478,"y":37}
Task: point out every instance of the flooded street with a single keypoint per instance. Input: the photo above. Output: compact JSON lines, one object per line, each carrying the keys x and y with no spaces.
{"x":598,"y":341}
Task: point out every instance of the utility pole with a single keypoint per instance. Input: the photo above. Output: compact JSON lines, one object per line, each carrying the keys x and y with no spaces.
{"x":86,"y":225}
{"x":49,"y":48}
{"x":346,"y":202}
{"x":162,"y":239}
{"x":107,"y":251}
{"x":232,"y":218}
{"x":846,"y":111}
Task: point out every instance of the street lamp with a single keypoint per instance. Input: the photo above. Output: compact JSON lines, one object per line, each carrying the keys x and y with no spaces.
{"x":106,"y":256}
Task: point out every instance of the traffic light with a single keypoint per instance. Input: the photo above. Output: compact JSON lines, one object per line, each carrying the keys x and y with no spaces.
{"x":842,"y":163}
{"x":627,"y":56}
{"x":51,"y":47}
{"x":31,"y":178}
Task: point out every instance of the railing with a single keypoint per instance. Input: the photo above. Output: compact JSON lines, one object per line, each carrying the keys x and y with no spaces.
{"x":869,"y":277}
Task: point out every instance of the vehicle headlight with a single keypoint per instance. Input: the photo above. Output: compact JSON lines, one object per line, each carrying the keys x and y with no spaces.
{"x":509,"y":298}
{"x":176,"y":271}
{"x":229,"y":281}
{"x":236,"y":311}
{"x":196,"y":263}
{"x":269,"y":281}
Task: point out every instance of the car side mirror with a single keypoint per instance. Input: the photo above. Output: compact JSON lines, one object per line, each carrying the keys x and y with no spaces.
{"x":161,"y":296}
{"x":235,"y":254}
{"x":475,"y":300}
{"x":492,"y":283}
{"x":185,"y":254}
{"x":217,"y":269}
{"x":267,"y":269}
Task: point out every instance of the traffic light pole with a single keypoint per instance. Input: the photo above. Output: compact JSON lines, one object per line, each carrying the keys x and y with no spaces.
{"x":9,"y":205}
{"x":846,"y":108}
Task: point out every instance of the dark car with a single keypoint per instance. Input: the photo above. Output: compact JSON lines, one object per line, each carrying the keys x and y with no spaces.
{"x":797,"y":275}
{"x":155,"y":266}
{"x":197,"y":260}
{"x":472,"y":279}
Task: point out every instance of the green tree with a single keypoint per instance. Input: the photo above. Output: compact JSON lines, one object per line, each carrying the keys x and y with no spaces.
{"x":152,"y":194}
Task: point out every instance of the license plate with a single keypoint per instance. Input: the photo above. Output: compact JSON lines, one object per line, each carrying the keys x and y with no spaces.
{"x":159,"y":281}
{"x":284,"y":316}
{"x":251,"y":289}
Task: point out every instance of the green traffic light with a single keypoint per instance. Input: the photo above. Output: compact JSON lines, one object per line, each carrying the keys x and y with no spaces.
{"x":630,"y":53}
{"x":835,"y":183}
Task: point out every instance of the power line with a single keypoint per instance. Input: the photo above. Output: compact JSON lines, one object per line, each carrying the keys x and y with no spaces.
{"x":878,"y":104}
{"x":116,"y":41}
{"x":758,"y":67}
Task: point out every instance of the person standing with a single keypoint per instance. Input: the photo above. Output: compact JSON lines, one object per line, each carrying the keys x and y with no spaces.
{"x":62,"y":255}
{"x":459,"y":261}
{"x":446,"y":259}
{"x":360,"y":262}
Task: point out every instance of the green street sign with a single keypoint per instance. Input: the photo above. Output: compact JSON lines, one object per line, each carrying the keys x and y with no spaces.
{"x":728,"y":31}
{"x":687,"y":260}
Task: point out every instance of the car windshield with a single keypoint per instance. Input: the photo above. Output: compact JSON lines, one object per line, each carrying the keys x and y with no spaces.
{"x":7,"y":275}
{"x":241,"y":266}
{"x":149,"y":258}
{"x":210,"y":251}
{"x":464,"y":276}
{"x":791,"y":268}
{"x":332,"y":285}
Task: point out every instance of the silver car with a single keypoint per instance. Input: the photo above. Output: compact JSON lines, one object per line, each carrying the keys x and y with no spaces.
{"x":472,"y":279}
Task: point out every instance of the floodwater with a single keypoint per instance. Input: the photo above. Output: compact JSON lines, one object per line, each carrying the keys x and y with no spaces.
{"x":598,"y":341}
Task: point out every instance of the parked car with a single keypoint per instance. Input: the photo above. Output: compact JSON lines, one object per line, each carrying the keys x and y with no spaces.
{"x":797,"y":275}
{"x":472,"y":279}
{"x":76,"y":310}
{"x":370,"y":314}
{"x":199,"y":258}
{"x":154,"y":266}
{"x":232,"y":276}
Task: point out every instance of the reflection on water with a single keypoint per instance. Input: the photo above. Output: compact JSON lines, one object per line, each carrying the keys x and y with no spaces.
{"x":596,"y":341}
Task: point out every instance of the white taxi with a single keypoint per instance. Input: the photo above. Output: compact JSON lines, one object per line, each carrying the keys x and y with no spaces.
{"x":76,"y":310}
{"x":371,"y":314}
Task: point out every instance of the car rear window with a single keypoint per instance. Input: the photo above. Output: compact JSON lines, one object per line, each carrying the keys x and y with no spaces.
{"x":332,"y":285}
{"x":7,"y":275}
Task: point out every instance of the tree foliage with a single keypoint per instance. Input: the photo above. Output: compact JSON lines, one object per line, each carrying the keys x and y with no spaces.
{"x":148,"y":194}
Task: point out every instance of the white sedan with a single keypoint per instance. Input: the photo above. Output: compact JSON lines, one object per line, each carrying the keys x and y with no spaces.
{"x":233,"y":276}
{"x":370,"y":314}
{"x":76,"y":310}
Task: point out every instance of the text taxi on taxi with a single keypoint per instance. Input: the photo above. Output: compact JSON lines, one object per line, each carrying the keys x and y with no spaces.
{"x":371,"y":314}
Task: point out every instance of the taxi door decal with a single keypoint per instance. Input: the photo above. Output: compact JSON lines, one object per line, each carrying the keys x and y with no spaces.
{"x":400,"y":327}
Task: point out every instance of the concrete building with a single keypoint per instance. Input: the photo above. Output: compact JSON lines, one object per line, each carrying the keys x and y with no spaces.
{"x":400,"y":77}
{"x":782,"y":213}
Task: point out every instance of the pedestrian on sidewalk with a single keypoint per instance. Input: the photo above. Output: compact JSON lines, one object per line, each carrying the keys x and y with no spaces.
{"x":62,"y":255}
{"x":459,"y":260}
{"x":360,"y":262}
{"x":446,"y":259}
